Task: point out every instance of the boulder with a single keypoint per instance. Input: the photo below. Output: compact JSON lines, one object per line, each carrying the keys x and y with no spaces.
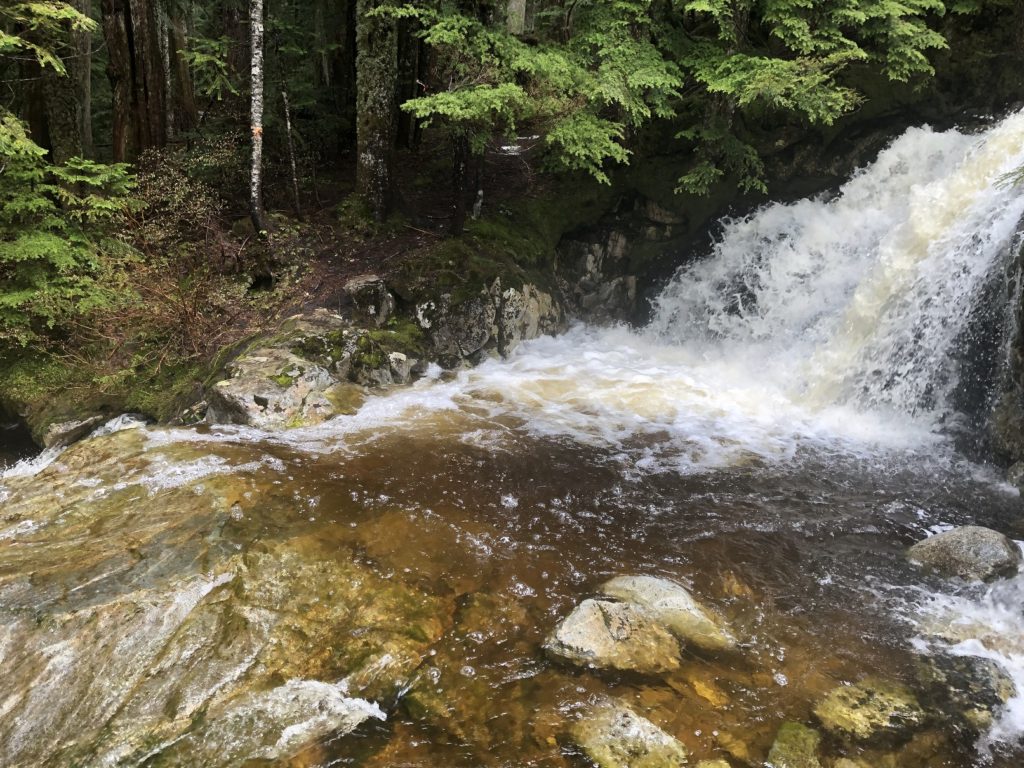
{"x":610,"y":635}
{"x":873,"y":710}
{"x":796,"y":746}
{"x":371,"y":299}
{"x":674,"y":607}
{"x":272,"y":388}
{"x":971,"y":552}
{"x":614,"y":736}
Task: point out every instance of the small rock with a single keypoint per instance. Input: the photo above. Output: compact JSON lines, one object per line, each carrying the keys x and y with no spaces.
{"x":610,"y":635}
{"x":675,"y":608}
{"x":796,"y":746}
{"x":719,"y":763}
{"x":871,"y":710}
{"x":614,"y":736}
{"x":970,"y":552}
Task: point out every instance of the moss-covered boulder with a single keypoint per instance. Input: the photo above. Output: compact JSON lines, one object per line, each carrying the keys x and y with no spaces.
{"x":612,"y":735}
{"x":873,"y":710}
{"x":796,"y":746}
{"x":606,"y":635}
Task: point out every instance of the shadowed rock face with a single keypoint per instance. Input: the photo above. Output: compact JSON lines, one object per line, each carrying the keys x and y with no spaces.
{"x":154,"y":604}
{"x":970,"y":552}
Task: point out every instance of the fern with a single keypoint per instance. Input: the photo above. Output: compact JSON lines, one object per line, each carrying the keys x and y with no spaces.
{"x":58,"y":252}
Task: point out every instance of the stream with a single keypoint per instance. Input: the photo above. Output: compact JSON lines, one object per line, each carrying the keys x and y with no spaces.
{"x":376,"y":590}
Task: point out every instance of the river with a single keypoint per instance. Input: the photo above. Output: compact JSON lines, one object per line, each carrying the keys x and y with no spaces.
{"x":774,"y":440}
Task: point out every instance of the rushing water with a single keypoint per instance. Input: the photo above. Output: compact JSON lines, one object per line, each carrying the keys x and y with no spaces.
{"x":774,"y":440}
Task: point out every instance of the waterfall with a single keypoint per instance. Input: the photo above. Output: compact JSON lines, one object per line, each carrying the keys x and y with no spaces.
{"x":860,"y":298}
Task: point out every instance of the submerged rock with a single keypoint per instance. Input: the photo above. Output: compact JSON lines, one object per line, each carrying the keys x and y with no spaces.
{"x":796,"y":746}
{"x":614,"y":736}
{"x":970,"y":552}
{"x":718,"y":763}
{"x":674,"y":607}
{"x":871,"y":710}
{"x":157,"y":598}
{"x":607,"y":635}
{"x":969,"y":687}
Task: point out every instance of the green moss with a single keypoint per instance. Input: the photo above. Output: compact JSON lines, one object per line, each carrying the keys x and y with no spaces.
{"x":516,"y":244}
{"x":45,"y":388}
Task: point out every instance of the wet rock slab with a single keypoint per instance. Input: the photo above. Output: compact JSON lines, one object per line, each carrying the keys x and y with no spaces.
{"x":165,"y":603}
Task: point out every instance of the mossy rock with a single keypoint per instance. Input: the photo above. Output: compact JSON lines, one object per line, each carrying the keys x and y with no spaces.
{"x":873,"y":710}
{"x":796,"y":746}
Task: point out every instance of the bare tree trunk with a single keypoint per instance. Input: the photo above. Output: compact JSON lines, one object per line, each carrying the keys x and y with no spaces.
{"x":67,"y":98}
{"x":136,"y":74}
{"x":115,"y":33}
{"x":515,"y":16}
{"x":256,"y":119}
{"x":291,"y":154}
{"x":163,"y":32}
{"x":188,"y":114}
{"x":376,"y":82}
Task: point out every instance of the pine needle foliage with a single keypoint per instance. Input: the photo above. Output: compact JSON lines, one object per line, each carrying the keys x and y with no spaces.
{"x":593,"y":72}
{"x":59,"y":257}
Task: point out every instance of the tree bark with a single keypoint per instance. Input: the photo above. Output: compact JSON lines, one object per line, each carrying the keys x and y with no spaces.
{"x":119,"y":68}
{"x":376,"y":83}
{"x":256,"y":113}
{"x":136,"y":72}
{"x":515,"y":16}
{"x":67,"y":98}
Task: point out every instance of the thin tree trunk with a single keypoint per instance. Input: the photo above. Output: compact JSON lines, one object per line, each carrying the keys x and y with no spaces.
{"x":376,"y":82}
{"x":256,"y":120}
{"x":460,"y":174}
{"x":291,"y":153}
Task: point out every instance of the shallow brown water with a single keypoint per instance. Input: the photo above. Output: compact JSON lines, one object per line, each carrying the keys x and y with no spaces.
{"x":805,"y":560}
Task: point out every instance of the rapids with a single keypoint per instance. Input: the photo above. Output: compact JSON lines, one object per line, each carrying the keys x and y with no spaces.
{"x":774,"y":439}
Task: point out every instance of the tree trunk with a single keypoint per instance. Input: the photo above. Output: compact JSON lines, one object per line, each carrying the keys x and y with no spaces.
{"x":187,"y":117}
{"x":291,"y":154}
{"x":256,"y":119}
{"x":515,"y":16}
{"x":460,"y":177}
{"x":136,"y":72}
{"x":119,"y":68}
{"x":67,"y":99}
{"x":376,"y":82}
